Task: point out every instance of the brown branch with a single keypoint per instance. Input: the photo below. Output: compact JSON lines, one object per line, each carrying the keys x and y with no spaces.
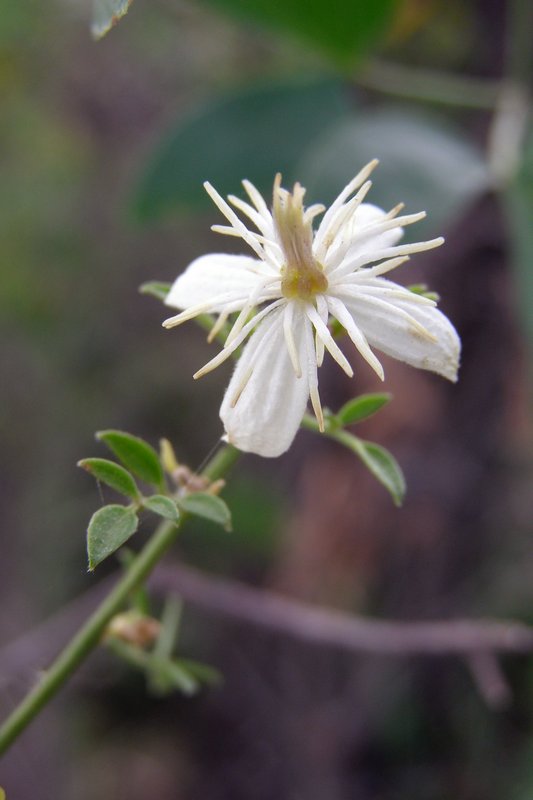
{"x":263,"y":609}
{"x":324,"y":627}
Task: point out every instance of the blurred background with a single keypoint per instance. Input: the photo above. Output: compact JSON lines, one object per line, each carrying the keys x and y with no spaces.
{"x":104,"y":147}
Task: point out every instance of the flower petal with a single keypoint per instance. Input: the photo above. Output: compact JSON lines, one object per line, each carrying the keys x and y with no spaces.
{"x":265,"y":401}
{"x":356,"y":237}
{"x":394,"y":326}
{"x":216,"y":274}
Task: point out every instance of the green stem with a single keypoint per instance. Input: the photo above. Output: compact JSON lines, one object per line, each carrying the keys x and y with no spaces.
{"x":88,"y":637}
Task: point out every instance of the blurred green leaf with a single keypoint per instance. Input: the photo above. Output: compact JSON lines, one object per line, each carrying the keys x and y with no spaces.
{"x":166,"y":675}
{"x":424,"y":162}
{"x":106,"y":14}
{"x":342,"y":28}
{"x":382,"y":465}
{"x":207,"y":506}
{"x":252,"y":134}
{"x":111,"y":474}
{"x":424,"y":290}
{"x":163,"y":506}
{"x":362,"y":407}
{"x":519,"y":208}
{"x":136,"y":454}
{"x":157,"y":289}
{"x":108,"y":529}
{"x":204,"y":673}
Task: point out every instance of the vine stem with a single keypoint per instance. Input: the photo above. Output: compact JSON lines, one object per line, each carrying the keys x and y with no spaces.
{"x":88,"y":637}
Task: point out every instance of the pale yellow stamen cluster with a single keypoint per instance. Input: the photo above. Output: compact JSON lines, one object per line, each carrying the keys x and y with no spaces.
{"x":302,"y":275}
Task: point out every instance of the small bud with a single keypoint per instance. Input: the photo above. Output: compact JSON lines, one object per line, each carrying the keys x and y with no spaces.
{"x":167,"y":456}
{"x":133,"y":628}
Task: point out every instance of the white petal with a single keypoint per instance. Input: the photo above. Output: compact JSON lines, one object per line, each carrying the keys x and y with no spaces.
{"x":396,"y":326}
{"x":358,"y":236}
{"x":213,"y":275}
{"x":265,"y":401}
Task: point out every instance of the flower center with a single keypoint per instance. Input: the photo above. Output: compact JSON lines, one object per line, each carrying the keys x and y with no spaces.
{"x":302,"y":275}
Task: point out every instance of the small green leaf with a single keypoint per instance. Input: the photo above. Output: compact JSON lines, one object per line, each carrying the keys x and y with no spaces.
{"x":423,"y":290}
{"x":111,"y":474}
{"x":136,"y":455}
{"x":362,"y":407}
{"x":208,"y":506}
{"x":106,"y":14}
{"x":157,"y":289}
{"x":167,"y":675}
{"x":383,"y":466}
{"x":163,"y":506}
{"x":108,"y":529}
{"x":202,"y":672}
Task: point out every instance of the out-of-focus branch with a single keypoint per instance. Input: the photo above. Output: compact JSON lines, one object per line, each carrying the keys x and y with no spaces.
{"x":265,"y":609}
{"x":431,"y":86}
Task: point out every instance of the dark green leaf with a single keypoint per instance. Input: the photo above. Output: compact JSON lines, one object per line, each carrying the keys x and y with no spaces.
{"x":108,"y":529}
{"x":342,"y":28}
{"x":207,"y":506}
{"x":157,"y":289}
{"x":251,"y":134}
{"x":383,"y":466}
{"x":107,"y":13}
{"x":111,"y":474}
{"x":424,"y":162}
{"x":362,"y":407}
{"x":136,"y":455}
{"x":163,"y":506}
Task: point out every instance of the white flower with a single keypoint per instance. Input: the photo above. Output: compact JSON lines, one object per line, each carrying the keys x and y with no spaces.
{"x":300,"y":279}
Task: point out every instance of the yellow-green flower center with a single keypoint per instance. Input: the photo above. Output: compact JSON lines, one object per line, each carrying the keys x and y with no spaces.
{"x":302,"y":275}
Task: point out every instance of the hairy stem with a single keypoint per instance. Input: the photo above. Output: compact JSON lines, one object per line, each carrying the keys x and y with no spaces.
{"x":87,"y":638}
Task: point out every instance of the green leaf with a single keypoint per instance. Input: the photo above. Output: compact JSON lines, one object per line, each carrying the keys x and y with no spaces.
{"x":342,"y":28}
{"x":167,"y":675}
{"x":424,"y":162}
{"x":163,"y":506}
{"x":362,"y":407}
{"x":111,"y":474}
{"x":423,"y":290}
{"x":136,"y":454}
{"x":202,"y":672}
{"x":253,"y":133}
{"x":108,"y":529}
{"x":157,"y":289}
{"x":207,"y":506}
{"x":383,"y":466}
{"x":106,"y":14}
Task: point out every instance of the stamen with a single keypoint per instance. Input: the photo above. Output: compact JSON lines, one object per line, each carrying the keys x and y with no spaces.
{"x":234,"y":219}
{"x":227,"y":351}
{"x":288,"y":321}
{"x":242,"y":386}
{"x":340,"y":312}
{"x":324,"y":333}
{"x":217,"y":327}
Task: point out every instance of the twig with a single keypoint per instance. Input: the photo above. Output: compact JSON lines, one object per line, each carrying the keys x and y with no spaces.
{"x":429,"y":86}
{"x":324,"y":627}
{"x":88,"y":636}
{"x":490,"y":680}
